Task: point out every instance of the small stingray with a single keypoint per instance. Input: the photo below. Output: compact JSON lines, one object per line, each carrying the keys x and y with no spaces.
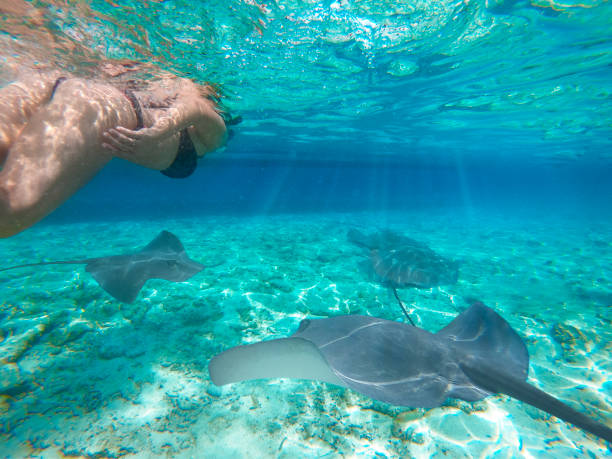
{"x":476,"y":355}
{"x":124,"y":275}
{"x":399,"y":261}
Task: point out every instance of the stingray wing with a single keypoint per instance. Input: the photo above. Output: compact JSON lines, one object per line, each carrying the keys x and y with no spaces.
{"x":387,"y":361}
{"x":381,"y":240}
{"x":360,"y":239}
{"x":118,"y":276}
{"x":165,"y":258}
{"x":277,"y":358}
{"x":164,"y":242}
{"x":485,"y":336}
{"x":123,"y":276}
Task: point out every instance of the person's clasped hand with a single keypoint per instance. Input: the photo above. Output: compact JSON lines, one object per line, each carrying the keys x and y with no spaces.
{"x":132,"y":145}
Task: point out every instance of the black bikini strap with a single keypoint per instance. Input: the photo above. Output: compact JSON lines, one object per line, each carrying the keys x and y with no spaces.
{"x":56,"y":84}
{"x":137,"y":108}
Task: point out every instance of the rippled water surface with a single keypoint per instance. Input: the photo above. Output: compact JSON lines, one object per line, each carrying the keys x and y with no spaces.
{"x":419,"y":80}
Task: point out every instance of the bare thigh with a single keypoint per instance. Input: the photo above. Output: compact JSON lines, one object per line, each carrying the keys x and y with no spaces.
{"x":59,"y":150}
{"x":18,"y":101}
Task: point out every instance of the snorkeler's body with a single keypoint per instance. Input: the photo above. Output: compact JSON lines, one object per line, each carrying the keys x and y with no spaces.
{"x":52,"y":142}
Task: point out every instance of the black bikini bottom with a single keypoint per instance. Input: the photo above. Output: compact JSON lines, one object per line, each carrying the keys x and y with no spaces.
{"x":137,"y":108}
{"x":186,"y":159}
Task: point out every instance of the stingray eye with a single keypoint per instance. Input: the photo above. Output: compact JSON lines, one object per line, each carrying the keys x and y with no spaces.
{"x":171,"y":263}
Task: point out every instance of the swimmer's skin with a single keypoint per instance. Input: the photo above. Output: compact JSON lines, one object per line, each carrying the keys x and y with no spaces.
{"x":52,"y":146}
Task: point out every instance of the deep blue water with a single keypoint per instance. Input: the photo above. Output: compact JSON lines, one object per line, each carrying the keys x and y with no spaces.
{"x":226,"y":186}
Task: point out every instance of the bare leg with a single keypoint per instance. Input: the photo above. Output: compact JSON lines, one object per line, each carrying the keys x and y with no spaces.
{"x":59,"y":151}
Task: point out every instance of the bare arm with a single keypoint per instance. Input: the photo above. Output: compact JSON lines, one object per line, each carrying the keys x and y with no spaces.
{"x":152,"y":147}
{"x":209,"y":131}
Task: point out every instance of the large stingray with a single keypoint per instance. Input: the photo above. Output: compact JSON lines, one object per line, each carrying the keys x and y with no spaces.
{"x":476,"y":355}
{"x":399,"y":261}
{"x":124,"y":275}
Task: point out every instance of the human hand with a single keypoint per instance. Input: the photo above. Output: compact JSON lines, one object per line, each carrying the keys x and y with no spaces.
{"x":136,"y":146}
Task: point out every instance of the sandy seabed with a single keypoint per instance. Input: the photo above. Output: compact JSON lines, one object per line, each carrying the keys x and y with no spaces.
{"x":84,"y":375}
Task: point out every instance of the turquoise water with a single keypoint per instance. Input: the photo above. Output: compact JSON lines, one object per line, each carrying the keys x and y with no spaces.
{"x":86,"y":375}
{"x":481,"y":129}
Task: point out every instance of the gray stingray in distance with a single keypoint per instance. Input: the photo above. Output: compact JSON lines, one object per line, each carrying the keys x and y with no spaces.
{"x":476,"y":355}
{"x":123,"y":276}
{"x":400,"y":261}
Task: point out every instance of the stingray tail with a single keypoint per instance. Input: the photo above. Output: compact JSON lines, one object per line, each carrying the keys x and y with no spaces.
{"x":42,"y":263}
{"x":493,"y":381}
{"x":402,"y":306}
